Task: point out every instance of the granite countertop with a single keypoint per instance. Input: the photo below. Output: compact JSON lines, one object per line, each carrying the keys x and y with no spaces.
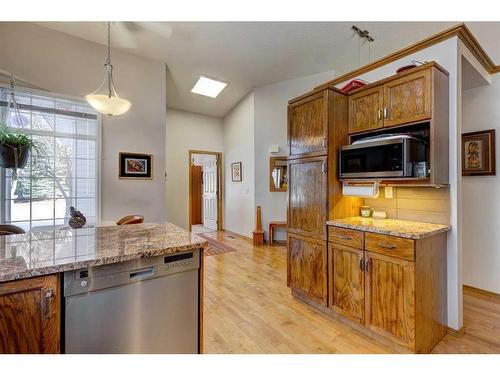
{"x":400,"y":228}
{"x":48,"y":252}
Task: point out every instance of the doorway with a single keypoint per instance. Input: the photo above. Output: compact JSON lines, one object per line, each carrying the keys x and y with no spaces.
{"x":205,"y":198}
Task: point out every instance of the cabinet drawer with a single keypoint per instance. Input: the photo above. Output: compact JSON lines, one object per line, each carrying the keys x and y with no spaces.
{"x":348,"y":237}
{"x":402,"y":248}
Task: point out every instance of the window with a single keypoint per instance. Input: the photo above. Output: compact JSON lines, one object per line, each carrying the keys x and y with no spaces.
{"x":65,"y":174}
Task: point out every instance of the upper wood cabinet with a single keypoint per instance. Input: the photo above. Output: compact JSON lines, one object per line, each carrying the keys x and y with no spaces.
{"x":409,"y":97}
{"x":390,"y":297}
{"x":365,"y":111}
{"x":347,"y":279}
{"x":307,"y":199}
{"x":308,"y":126}
{"x":29,"y":316}
{"x":307,"y":262}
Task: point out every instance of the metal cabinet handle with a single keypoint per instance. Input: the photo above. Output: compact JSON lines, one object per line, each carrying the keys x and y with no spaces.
{"x":323,"y":168}
{"x":367,"y":265}
{"x":344,"y":237}
{"x":386,"y":112}
{"x":46,"y":302}
{"x":324,"y":142}
{"x":361,"y":265}
{"x":379,"y":114}
{"x":387,"y":245}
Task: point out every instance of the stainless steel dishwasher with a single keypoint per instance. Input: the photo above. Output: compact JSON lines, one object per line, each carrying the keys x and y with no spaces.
{"x":148,"y":305}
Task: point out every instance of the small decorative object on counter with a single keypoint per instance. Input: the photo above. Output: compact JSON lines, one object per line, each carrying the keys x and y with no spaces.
{"x":366,"y":211}
{"x":77,"y":219}
{"x":379,"y":215}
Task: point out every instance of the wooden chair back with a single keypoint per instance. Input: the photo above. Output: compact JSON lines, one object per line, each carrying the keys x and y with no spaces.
{"x":131,"y":219}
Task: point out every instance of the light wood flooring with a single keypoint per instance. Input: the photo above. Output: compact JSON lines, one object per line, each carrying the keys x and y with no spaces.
{"x":249,"y":309}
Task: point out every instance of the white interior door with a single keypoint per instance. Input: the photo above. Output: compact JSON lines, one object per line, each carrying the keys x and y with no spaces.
{"x":209,"y":206}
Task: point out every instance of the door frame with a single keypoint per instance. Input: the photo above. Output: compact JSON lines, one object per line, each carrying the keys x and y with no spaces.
{"x":219,"y":185}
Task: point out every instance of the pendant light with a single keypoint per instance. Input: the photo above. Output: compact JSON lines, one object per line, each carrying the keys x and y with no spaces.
{"x":105,"y":99}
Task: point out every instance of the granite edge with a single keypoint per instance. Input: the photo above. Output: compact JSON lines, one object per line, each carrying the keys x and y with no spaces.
{"x":371,"y":229}
{"x":59,"y":268}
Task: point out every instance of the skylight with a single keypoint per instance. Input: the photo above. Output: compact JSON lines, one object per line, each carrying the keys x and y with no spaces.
{"x":208,"y":87}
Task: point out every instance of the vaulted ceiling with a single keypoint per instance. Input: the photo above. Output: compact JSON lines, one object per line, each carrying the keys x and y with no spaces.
{"x":252,"y":54}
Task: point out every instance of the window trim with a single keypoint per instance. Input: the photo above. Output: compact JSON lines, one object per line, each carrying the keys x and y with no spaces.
{"x":28,"y":90}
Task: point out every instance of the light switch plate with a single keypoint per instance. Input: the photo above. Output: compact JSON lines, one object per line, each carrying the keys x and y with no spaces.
{"x":388,"y":192}
{"x":273,"y":149}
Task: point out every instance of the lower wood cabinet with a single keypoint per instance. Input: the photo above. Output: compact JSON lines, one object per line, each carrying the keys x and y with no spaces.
{"x":390,"y":297}
{"x":347,"y":281}
{"x":307,"y":266}
{"x":29,"y":315}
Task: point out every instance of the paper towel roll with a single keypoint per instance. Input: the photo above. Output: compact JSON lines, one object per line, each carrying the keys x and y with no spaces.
{"x":366,"y":191}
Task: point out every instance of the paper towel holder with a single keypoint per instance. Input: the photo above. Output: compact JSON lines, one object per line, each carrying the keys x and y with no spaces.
{"x":363,"y":189}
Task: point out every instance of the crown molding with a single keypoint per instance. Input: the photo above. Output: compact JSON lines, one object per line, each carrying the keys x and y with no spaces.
{"x":461,"y":31}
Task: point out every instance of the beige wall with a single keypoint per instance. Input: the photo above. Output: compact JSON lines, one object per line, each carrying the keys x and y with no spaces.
{"x":430,"y":205}
{"x":67,"y":65}
{"x":186,"y":131}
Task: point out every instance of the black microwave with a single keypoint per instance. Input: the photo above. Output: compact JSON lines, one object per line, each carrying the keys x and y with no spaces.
{"x":387,"y":156}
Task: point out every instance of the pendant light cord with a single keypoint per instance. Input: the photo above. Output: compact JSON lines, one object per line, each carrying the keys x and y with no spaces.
{"x":108,"y":61}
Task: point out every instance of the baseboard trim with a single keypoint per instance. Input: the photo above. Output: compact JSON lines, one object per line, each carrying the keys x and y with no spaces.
{"x":456,"y":332}
{"x":483,"y":292}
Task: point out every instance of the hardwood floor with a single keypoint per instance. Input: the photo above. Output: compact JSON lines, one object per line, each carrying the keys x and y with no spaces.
{"x":249,"y":309}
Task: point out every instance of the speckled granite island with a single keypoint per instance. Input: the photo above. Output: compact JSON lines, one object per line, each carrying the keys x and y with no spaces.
{"x":32,"y":266}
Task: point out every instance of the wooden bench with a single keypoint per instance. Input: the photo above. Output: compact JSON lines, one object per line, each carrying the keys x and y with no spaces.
{"x":272,"y":226}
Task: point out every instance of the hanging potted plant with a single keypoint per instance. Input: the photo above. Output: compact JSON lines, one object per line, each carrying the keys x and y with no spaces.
{"x":15,"y":148}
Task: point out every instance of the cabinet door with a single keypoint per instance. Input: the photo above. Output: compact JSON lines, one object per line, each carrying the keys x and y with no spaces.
{"x":29,"y":316}
{"x":347,"y":281}
{"x":365,"y":110}
{"x":408,"y":99}
{"x":390,"y":297}
{"x":308,"y":126}
{"x":307,"y":264}
{"x":307,"y":199}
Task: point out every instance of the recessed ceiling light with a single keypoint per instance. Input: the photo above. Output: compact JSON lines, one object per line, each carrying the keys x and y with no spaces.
{"x":208,"y":87}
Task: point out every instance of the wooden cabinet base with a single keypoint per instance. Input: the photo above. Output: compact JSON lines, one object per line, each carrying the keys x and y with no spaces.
{"x":29,"y":316}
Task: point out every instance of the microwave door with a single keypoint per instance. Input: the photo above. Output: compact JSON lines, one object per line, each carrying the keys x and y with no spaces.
{"x":378,"y":160}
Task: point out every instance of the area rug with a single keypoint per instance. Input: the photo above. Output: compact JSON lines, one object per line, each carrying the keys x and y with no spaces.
{"x":215,"y":247}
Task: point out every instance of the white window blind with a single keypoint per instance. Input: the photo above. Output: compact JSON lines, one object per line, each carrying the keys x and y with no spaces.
{"x":66,"y":172}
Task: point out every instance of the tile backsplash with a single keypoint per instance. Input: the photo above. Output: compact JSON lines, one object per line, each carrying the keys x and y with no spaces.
{"x":426,"y":204}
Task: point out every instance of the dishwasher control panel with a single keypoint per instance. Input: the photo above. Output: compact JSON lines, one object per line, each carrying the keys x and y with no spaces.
{"x":179,"y":260}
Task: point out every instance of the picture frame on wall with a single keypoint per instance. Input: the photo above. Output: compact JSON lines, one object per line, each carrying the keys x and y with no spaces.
{"x":478,"y":153}
{"x":236,"y":175}
{"x":135,"y":166}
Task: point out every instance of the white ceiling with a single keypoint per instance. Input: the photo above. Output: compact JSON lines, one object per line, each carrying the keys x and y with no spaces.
{"x":252,"y":54}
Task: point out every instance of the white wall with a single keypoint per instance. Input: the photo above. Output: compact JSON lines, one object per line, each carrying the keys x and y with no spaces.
{"x":64,"y":64}
{"x":270,"y":118}
{"x":481,"y":194}
{"x":445,"y":53}
{"x":239,"y":197}
{"x":186,"y":131}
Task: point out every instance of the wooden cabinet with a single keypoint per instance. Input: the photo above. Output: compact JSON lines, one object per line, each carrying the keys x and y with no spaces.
{"x":408,"y":99}
{"x":307,"y":261}
{"x":308,"y":126}
{"x":29,"y":315}
{"x":365,"y":110}
{"x":347,"y":281}
{"x":394,"y":287}
{"x":307,"y":199}
{"x":390,"y":297}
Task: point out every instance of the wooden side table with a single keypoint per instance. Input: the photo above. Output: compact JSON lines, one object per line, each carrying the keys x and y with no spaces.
{"x":272,"y":226}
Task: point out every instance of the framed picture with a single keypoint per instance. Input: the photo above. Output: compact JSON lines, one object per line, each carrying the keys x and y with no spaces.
{"x":236,"y":172}
{"x":478,"y":153}
{"x":135,"y":166}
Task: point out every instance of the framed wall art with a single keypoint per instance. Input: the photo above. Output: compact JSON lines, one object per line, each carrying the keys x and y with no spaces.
{"x":135,"y":166}
{"x":478,"y":153}
{"x":236,"y":175}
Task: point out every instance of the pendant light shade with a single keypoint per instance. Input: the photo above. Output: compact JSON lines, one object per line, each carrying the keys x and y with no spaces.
{"x":105,"y":99}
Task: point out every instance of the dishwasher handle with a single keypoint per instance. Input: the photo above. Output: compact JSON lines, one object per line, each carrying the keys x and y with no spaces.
{"x":141,"y":273}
